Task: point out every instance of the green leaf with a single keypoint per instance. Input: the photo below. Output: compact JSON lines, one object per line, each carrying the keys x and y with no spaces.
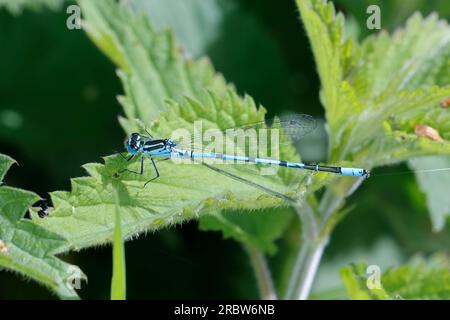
{"x":17,"y":6}
{"x":417,"y":280}
{"x":152,"y":68}
{"x":5,"y":163}
{"x":385,"y":251}
{"x":354,"y":278}
{"x":394,"y":12}
{"x":196,"y":23}
{"x":373,"y":96}
{"x":118,"y":282}
{"x":85,"y":216}
{"x":435,"y":186}
{"x":256,"y":229}
{"x":28,"y":248}
{"x":335,"y":55}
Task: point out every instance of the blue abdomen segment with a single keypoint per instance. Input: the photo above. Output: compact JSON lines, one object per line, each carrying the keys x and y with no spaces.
{"x":353,"y":172}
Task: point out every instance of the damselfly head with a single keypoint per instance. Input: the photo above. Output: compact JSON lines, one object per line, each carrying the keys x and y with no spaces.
{"x":133,"y":143}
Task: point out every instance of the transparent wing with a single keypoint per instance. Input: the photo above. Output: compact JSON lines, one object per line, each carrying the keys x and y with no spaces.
{"x":283,"y":130}
{"x":248,"y":182}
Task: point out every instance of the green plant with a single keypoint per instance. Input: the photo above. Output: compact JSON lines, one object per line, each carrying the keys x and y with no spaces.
{"x":374,"y":94}
{"x":419,"y":280}
{"x":26,"y":247}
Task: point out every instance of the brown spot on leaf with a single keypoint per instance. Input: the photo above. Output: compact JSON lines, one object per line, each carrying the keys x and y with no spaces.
{"x":427,"y":132}
{"x":445,"y":104}
{"x":3,"y":248}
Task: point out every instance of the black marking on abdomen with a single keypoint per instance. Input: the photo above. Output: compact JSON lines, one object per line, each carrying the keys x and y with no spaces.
{"x":330,"y":169}
{"x":310,"y":167}
{"x":283,"y":163}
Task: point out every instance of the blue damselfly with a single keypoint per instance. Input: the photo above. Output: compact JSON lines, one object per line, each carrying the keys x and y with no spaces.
{"x":289,"y":130}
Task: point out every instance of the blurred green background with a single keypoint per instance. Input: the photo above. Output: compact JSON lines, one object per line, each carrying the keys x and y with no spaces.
{"x":58,"y":110}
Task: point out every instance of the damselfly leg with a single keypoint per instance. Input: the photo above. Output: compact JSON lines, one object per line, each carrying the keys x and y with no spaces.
{"x":115,"y":175}
{"x":127,"y":159}
{"x":156,"y":170}
{"x":141,"y":171}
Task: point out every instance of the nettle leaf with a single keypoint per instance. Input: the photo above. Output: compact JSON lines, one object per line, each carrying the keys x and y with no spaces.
{"x":377,"y":92}
{"x":27,"y":248}
{"x":415,"y":281}
{"x":152,"y":67}
{"x":5,"y":163}
{"x":17,"y":6}
{"x":85,"y":216}
{"x":196,"y":23}
{"x":335,"y":56}
{"x":156,"y":77}
{"x":435,"y":186}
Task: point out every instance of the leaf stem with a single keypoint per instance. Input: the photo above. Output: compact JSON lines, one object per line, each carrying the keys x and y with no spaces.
{"x":308,"y":257}
{"x":310,"y":265}
{"x":315,"y":237}
{"x":299,"y":278}
{"x":118,"y":281}
{"x":262,"y":273}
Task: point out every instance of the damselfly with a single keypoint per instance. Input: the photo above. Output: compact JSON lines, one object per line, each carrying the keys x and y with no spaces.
{"x":289,"y":129}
